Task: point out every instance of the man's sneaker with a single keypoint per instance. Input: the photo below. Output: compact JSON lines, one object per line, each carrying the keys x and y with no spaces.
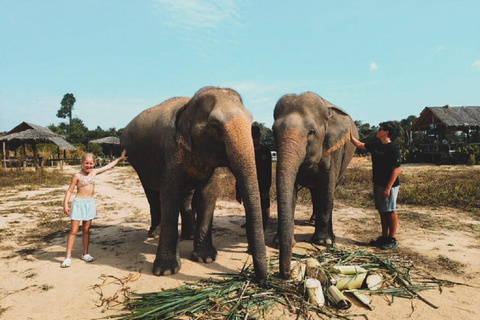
{"x":389,"y":244}
{"x":87,"y":257}
{"x":378,"y":242}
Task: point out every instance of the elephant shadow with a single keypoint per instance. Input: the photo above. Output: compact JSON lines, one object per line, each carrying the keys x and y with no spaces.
{"x":127,"y":248}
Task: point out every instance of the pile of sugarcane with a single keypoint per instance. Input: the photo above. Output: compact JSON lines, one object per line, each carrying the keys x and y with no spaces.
{"x":322,"y":282}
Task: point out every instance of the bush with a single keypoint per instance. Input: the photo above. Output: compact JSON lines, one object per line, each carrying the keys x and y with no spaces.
{"x":468,"y":154}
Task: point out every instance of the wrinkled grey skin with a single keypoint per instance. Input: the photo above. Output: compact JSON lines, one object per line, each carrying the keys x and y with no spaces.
{"x":175,"y":147}
{"x":305,"y":127}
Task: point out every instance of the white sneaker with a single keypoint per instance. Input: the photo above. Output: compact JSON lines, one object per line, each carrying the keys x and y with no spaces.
{"x":66,"y":263}
{"x":87,"y":257}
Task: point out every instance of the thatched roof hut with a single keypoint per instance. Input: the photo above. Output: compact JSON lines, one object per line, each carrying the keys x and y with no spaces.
{"x":450,"y":118}
{"x":110,"y":141}
{"x":106,"y":140}
{"x":32,"y":134}
{"x":29,"y":133}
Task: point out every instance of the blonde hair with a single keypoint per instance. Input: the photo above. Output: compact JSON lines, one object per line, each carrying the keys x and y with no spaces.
{"x":88,"y":155}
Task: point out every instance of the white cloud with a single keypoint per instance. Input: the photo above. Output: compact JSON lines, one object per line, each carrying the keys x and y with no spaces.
{"x":440,"y":48}
{"x":476,"y":65}
{"x":194,"y":14}
{"x":373,"y":66}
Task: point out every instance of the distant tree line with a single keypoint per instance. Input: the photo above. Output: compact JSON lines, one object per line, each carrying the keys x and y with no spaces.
{"x":79,"y":135}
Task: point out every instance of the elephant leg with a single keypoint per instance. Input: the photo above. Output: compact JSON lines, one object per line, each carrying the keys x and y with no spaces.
{"x":314,"y":203}
{"x":323,"y":205}
{"x":186,"y":212}
{"x":167,"y":260}
{"x":204,"y":203}
{"x":153,"y":198}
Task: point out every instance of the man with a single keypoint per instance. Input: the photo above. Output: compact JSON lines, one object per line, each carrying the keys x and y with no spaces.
{"x":386,"y":167}
{"x":263,"y":162}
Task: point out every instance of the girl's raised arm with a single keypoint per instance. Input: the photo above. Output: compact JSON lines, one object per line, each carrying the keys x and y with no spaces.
{"x":112,"y":164}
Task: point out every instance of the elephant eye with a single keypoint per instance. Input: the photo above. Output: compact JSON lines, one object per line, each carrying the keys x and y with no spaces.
{"x":214,"y":127}
{"x":311,"y":132}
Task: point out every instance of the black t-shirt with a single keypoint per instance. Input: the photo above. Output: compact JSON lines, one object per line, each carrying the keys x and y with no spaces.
{"x":384,"y":158}
{"x":263,"y":162}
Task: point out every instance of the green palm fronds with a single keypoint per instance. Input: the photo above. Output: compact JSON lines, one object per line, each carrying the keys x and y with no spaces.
{"x":238,"y":296}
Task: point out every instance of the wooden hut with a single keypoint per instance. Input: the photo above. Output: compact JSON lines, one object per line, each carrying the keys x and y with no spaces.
{"x":437,"y":121}
{"x":109,"y":141}
{"x":28,"y":133}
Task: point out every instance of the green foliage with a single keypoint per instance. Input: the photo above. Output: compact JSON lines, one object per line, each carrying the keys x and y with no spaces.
{"x":96,"y":149}
{"x":468,"y":154}
{"x":267,"y":135}
{"x":78,"y":132}
{"x":66,"y":107}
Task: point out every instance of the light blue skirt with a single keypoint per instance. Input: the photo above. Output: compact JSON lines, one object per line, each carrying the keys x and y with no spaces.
{"x":83,"y":209}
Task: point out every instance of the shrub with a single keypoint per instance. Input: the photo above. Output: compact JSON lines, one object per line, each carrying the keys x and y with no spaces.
{"x":464,"y":154}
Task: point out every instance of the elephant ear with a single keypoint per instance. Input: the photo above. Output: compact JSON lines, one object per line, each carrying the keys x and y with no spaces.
{"x":338,"y":130}
{"x":183,"y":124}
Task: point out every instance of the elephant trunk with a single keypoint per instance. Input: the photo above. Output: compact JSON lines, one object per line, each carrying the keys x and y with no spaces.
{"x":241,"y":155}
{"x":291,"y":153}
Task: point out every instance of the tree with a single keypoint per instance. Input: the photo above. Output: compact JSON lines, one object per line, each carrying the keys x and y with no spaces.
{"x":267,"y":135}
{"x":78,"y":132}
{"x":67,"y":107}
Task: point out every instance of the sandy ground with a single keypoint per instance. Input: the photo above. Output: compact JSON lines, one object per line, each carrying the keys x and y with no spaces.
{"x":33,"y":286}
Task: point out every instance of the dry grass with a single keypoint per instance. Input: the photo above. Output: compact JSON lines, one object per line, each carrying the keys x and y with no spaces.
{"x":31,"y":180}
{"x":458,"y":189}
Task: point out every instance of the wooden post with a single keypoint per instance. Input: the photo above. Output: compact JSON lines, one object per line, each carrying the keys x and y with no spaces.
{"x":24,"y":157}
{"x":35,"y":160}
{"x":4,"y":156}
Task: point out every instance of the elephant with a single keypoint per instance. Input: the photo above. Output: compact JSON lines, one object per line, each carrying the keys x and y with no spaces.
{"x":313,"y":150}
{"x":186,"y":212}
{"x":175,"y":147}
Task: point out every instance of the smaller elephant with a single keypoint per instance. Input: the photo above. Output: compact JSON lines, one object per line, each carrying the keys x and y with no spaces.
{"x":311,"y":136}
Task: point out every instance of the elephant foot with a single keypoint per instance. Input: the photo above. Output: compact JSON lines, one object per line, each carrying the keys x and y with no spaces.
{"x":205,"y":256}
{"x":322,"y":240}
{"x":276,"y":242}
{"x":154,"y":233}
{"x":166,"y":266}
{"x":187,"y":235}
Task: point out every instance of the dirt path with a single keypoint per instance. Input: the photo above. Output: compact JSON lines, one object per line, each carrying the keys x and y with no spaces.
{"x":441,"y":242}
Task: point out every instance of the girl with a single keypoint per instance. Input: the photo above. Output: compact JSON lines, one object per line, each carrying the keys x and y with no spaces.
{"x":83,"y":207}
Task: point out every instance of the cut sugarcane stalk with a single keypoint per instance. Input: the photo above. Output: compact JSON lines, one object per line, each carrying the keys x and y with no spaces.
{"x":374,"y":281}
{"x":337,"y":298}
{"x":315,"y":293}
{"x":314,"y":271}
{"x":350,"y":269}
{"x":363,"y":299}
{"x":351,"y":281}
{"x":298,"y":270}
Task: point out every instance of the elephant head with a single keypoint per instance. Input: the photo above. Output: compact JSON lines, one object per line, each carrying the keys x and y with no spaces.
{"x":308,"y":131}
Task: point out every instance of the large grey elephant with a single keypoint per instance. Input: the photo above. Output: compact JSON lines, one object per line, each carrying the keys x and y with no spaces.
{"x":175,"y":147}
{"x":313,"y":150}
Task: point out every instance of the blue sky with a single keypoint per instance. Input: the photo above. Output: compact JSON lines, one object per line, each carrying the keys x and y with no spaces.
{"x":378,"y":60}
